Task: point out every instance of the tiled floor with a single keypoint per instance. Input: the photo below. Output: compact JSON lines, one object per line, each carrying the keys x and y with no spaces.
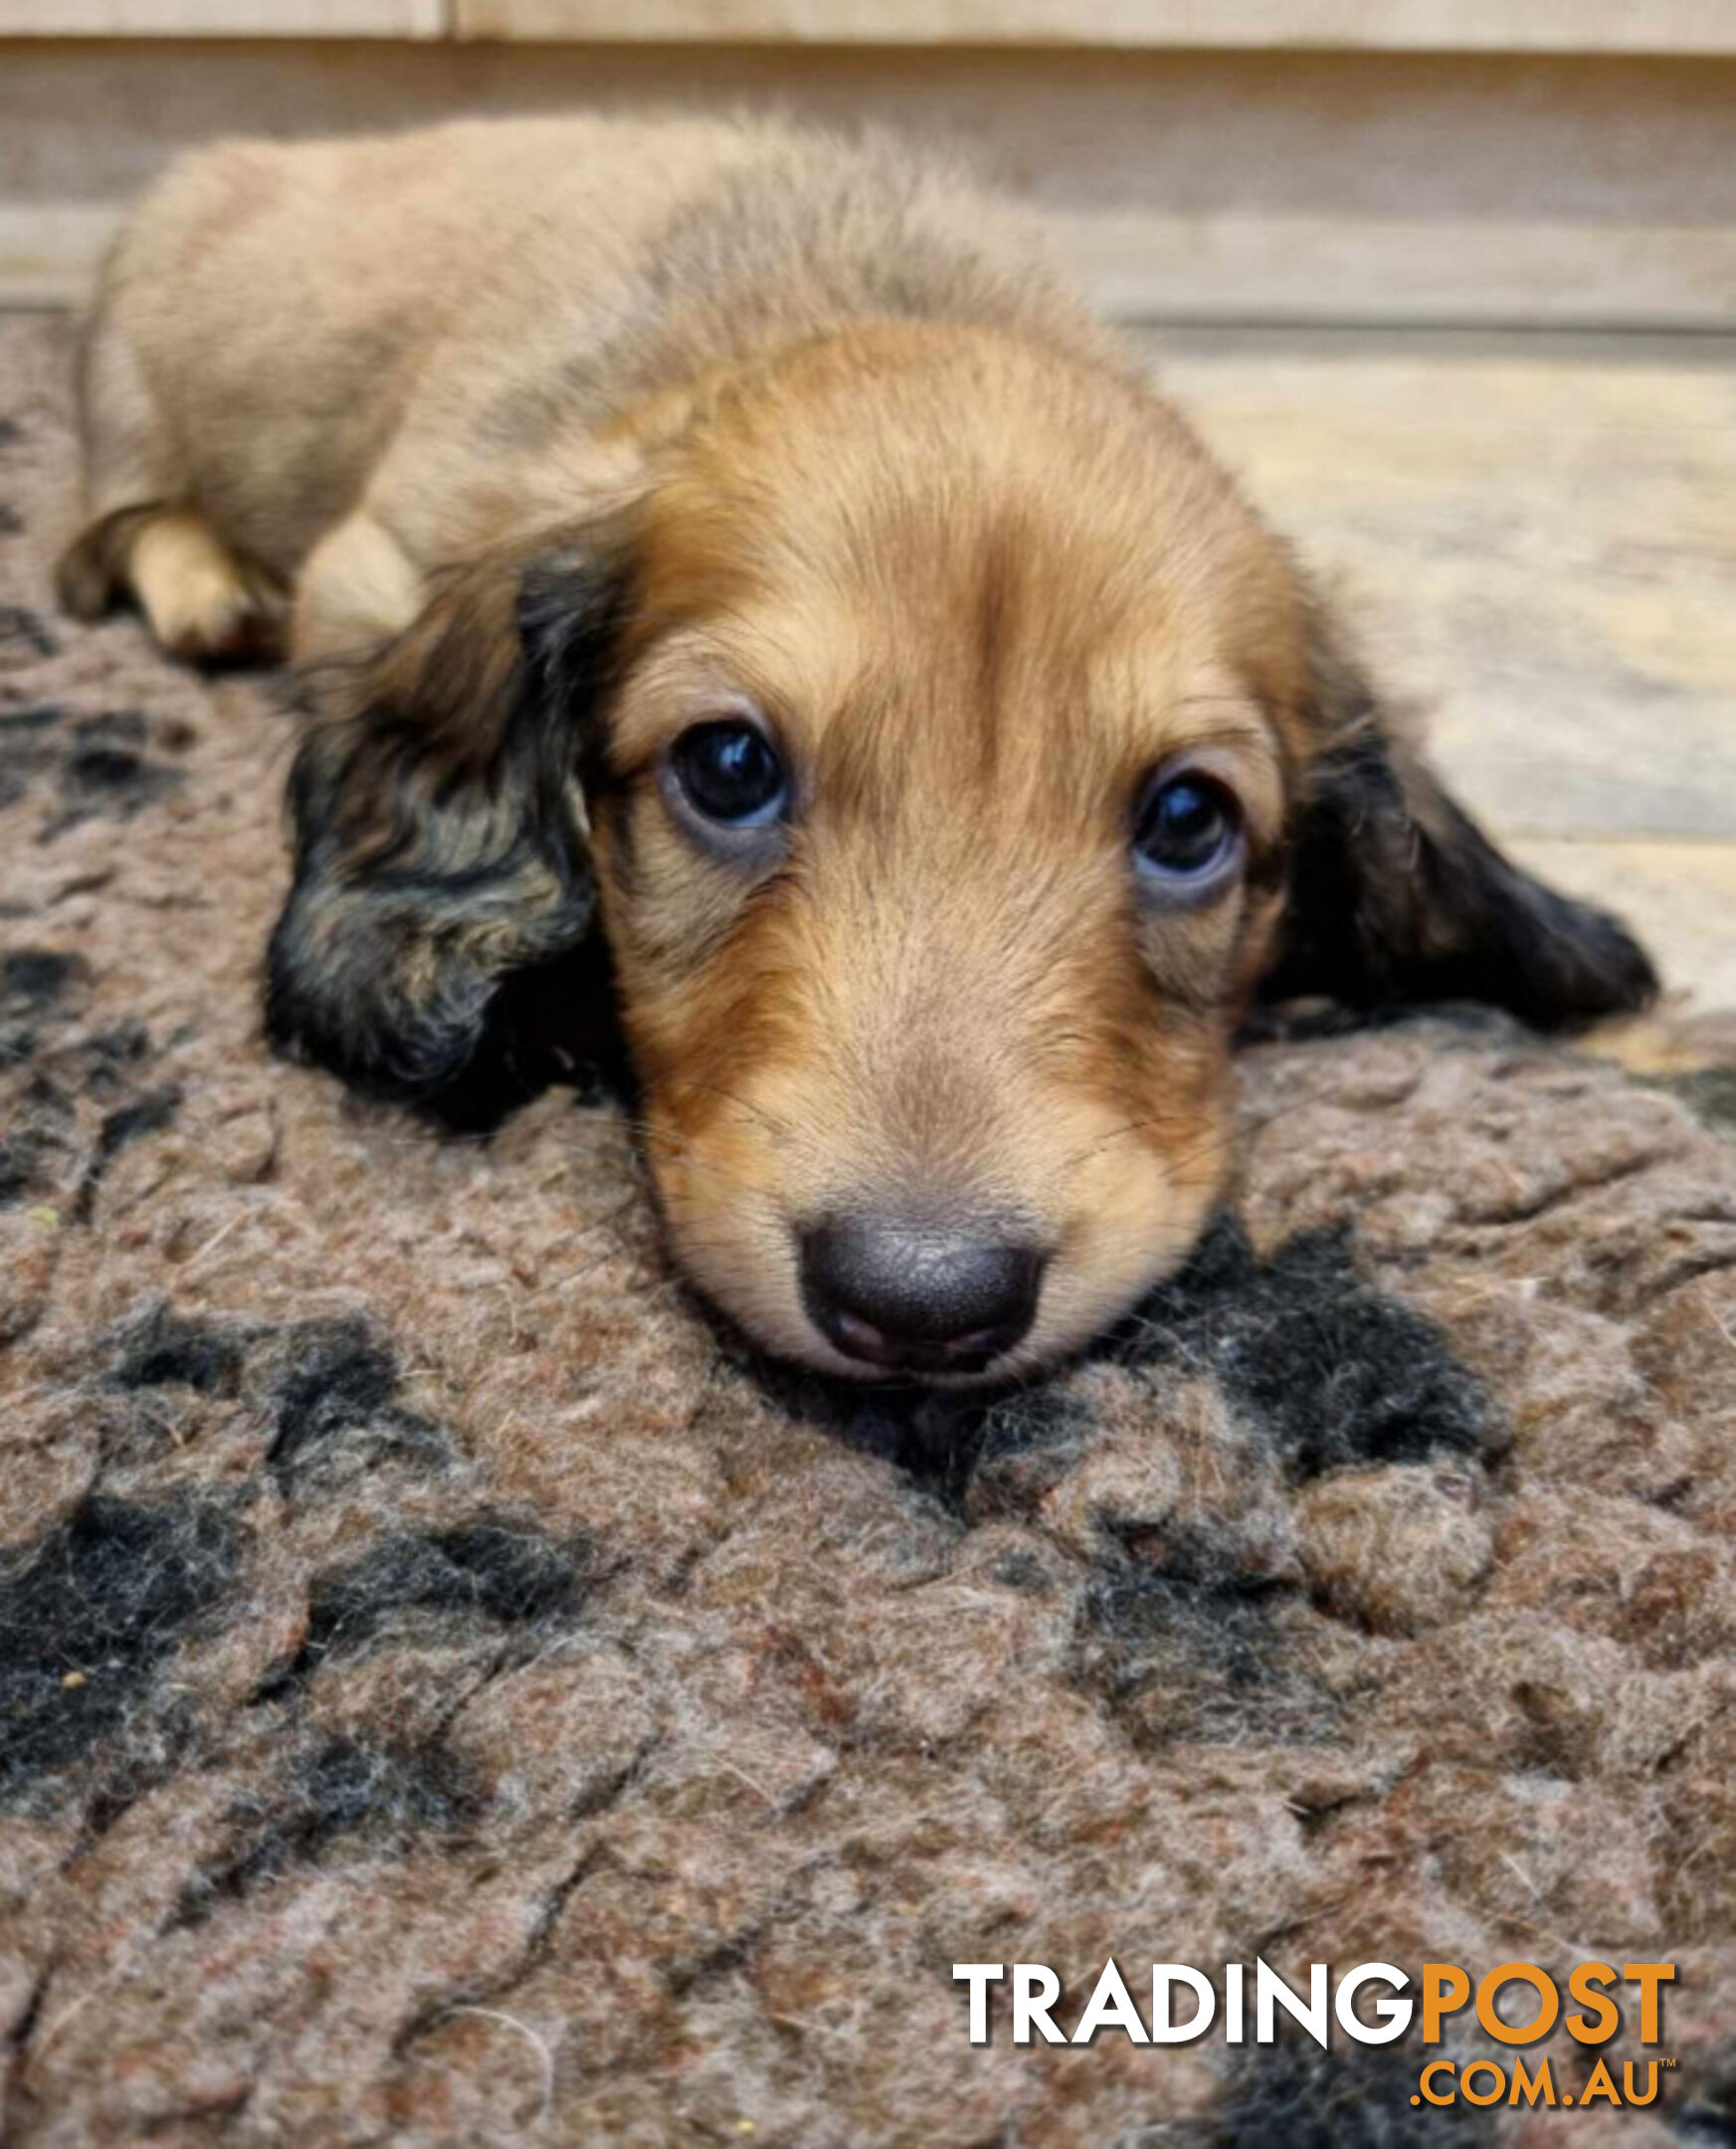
{"x":1537,"y":539}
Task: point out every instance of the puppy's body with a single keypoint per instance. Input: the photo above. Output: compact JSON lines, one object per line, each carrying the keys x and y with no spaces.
{"x":743,"y":534}
{"x":362,"y":361}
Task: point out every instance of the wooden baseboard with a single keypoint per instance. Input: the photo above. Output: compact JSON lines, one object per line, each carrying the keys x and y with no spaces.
{"x":1365,"y":188}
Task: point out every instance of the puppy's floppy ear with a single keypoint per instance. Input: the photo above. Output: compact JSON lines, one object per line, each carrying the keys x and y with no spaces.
{"x":438,"y":821}
{"x":1395,"y":893}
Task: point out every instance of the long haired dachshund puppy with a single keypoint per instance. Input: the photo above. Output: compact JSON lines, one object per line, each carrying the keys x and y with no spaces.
{"x":734,"y":537}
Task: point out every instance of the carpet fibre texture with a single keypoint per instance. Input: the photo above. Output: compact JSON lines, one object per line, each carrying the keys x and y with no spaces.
{"x":449,"y":1694}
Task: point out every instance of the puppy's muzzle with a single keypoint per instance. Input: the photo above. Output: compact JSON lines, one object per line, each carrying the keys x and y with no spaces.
{"x":915,"y":1297}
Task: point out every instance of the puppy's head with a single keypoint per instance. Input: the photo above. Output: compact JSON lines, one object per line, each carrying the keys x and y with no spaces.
{"x":950,"y":754}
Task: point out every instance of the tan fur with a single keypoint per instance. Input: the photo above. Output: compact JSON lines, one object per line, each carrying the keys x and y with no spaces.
{"x":823,"y":415}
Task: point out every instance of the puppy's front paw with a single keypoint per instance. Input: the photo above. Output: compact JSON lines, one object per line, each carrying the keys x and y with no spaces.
{"x":204,"y":604}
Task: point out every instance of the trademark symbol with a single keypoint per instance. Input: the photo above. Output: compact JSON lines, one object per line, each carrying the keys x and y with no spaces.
{"x":1667,"y":2063}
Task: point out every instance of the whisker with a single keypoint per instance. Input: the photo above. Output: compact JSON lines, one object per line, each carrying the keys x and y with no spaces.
{"x":777,"y":1126}
{"x":1103,"y":1141}
{"x":677,"y":1147}
{"x":1239,"y":1131}
{"x":1247,"y":1127}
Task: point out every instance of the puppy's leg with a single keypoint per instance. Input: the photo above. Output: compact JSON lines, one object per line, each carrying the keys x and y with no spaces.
{"x":357,"y":589}
{"x":202,"y":602}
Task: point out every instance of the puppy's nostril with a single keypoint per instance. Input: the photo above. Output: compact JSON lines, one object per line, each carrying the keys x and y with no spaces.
{"x":899,"y":1294}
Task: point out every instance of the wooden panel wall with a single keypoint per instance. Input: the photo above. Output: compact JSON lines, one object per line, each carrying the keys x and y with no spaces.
{"x":1272,"y":185}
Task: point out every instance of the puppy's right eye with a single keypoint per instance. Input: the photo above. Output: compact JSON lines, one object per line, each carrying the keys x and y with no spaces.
{"x":729,"y":773}
{"x":1186,"y":838}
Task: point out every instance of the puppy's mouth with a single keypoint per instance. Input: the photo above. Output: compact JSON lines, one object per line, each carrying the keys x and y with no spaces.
{"x":896,"y":1296}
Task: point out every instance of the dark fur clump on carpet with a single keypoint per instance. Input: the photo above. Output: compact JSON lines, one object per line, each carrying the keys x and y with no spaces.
{"x":451,"y":1694}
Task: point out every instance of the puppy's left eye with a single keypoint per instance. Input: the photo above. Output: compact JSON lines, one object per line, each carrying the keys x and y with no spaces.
{"x":729,"y":774}
{"x":1187,"y":837}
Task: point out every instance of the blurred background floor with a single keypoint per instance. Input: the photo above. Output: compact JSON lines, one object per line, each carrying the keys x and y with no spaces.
{"x":1535,"y":536}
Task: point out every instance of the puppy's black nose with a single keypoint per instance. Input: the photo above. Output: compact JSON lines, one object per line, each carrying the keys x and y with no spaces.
{"x":917,"y":1298}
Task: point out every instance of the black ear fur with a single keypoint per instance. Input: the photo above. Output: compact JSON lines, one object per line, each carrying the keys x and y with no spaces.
{"x":1395,"y":893}
{"x":437,"y":825}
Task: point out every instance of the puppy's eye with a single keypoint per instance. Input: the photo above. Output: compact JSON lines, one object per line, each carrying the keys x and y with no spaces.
{"x":729,"y":773}
{"x":1186,"y":838}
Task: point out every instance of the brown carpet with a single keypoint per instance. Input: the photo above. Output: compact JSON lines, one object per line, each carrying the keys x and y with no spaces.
{"x":446,"y":1696}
